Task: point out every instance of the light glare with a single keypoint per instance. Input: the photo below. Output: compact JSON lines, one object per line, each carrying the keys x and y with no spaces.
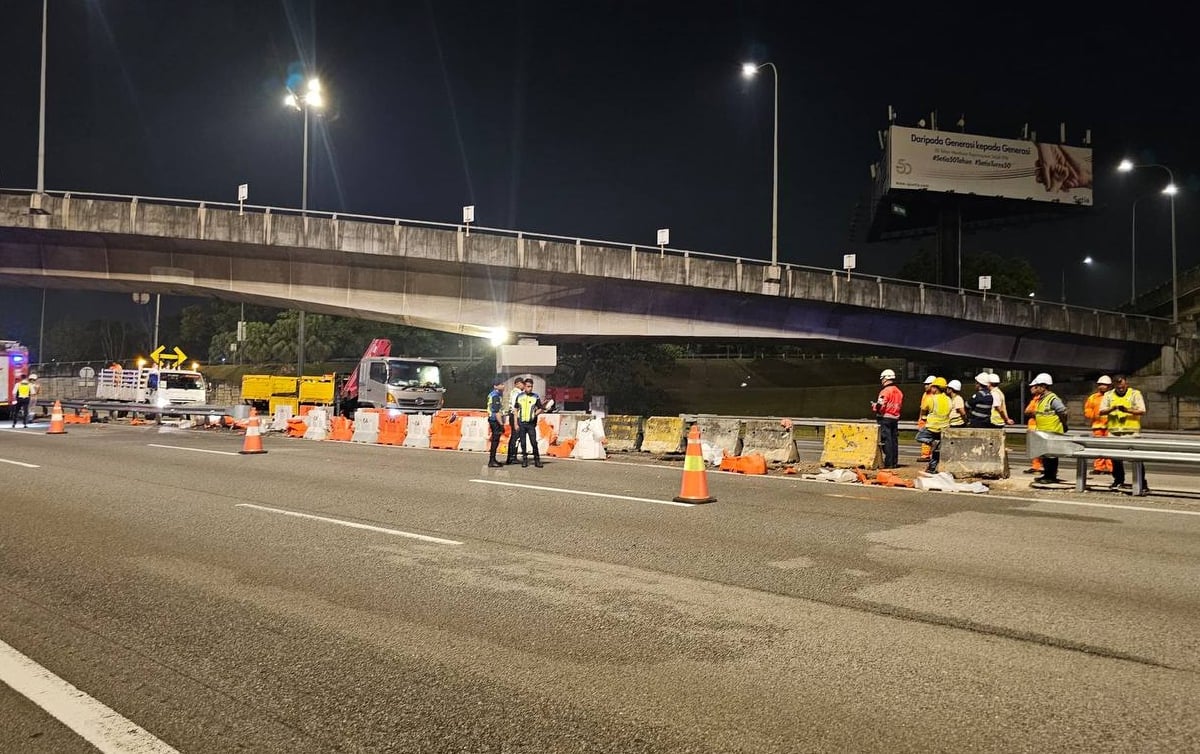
{"x":1125,"y":166}
{"x":498,"y":336}
{"x":749,"y":69}
{"x":1171,"y":189}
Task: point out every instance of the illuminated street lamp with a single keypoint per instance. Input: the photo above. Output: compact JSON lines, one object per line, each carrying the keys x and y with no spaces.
{"x":1170,"y":190}
{"x":1087,"y":261}
{"x":750,"y":70}
{"x":311,"y":99}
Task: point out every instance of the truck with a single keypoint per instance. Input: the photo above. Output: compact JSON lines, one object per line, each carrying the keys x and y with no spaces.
{"x":155,"y":386}
{"x":14,"y":364}
{"x":401,"y":383}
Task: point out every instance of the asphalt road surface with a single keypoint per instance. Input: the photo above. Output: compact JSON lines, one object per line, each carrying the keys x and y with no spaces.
{"x":338,"y":597}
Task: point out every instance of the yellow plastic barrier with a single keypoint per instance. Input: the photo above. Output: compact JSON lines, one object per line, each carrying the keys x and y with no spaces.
{"x":663,"y":434}
{"x":850,"y":445}
{"x":317,"y":389}
{"x":283,"y":385}
{"x":256,"y":387}
{"x":280,"y":400}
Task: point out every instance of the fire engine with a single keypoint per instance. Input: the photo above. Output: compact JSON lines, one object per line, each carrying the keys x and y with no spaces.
{"x":14,"y":364}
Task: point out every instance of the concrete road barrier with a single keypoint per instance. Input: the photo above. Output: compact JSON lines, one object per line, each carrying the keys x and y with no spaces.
{"x":769,"y":439}
{"x":663,"y":434}
{"x":970,"y":452}
{"x":722,"y":433}
{"x":624,"y":432}
{"x":849,"y":445}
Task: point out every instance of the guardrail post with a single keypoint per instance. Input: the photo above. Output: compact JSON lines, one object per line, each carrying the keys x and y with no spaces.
{"x":133,"y":204}
{"x":201,"y":217}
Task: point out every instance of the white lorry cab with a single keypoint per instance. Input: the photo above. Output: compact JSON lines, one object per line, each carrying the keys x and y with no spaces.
{"x":158,"y":387}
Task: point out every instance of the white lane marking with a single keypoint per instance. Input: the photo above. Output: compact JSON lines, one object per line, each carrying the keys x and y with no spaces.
{"x":584,"y":492}
{"x":194,"y":450}
{"x":19,"y":463}
{"x":99,"y":724}
{"x":352,"y":524}
{"x":1082,"y":504}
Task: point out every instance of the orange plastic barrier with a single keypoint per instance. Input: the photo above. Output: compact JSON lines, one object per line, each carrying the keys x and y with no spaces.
{"x":751,"y":464}
{"x":341,"y":429}
{"x":295,"y":428}
{"x":562,"y":450}
{"x":393,"y":430}
{"x":444,"y":430}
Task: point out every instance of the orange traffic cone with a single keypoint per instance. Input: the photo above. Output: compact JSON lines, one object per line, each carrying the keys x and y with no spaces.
{"x":253,"y":443}
{"x":57,"y":425}
{"x":695,"y":483}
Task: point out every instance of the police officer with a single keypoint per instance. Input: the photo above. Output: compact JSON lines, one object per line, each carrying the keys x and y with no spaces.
{"x":514,"y":430}
{"x":21,"y":394}
{"x":495,"y":409}
{"x":528,"y":406}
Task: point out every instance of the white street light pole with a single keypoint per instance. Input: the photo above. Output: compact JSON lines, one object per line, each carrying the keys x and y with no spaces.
{"x":41,"y":163}
{"x":749,"y":70}
{"x":309,"y":100}
{"x":1170,"y":190}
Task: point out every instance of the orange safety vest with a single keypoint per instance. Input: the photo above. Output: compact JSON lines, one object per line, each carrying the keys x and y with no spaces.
{"x":1091,"y":410}
{"x":1030,"y":408}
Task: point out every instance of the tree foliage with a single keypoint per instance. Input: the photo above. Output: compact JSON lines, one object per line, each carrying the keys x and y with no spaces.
{"x":625,"y":372}
{"x":1011,"y":276}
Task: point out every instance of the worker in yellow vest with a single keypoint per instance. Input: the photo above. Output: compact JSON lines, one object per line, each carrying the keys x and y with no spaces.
{"x":937,"y":419}
{"x":22,"y":392}
{"x":1091,"y":412}
{"x":1049,"y":415}
{"x":926,"y":451}
{"x":1124,"y":406}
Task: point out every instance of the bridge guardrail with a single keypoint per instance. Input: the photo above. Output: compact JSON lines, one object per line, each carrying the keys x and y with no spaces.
{"x":1136,"y":449}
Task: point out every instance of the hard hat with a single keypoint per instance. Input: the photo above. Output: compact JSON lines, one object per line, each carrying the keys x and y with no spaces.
{"x":939,"y":382}
{"x":983,"y":378}
{"x":33,"y":377}
{"x":929,"y":380}
{"x":1042,"y":379}
{"x":887,"y":374}
{"x":954,"y":385}
{"x":994,"y":378}
{"x":1104,"y":380}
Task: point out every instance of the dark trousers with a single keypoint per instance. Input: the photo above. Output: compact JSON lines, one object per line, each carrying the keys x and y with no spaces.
{"x":22,"y":408}
{"x":889,"y":440}
{"x":497,"y":432}
{"x":528,"y":431}
{"x":1050,"y":466}
{"x":936,"y":446}
{"x":513,"y":438}
{"x":1118,"y":472}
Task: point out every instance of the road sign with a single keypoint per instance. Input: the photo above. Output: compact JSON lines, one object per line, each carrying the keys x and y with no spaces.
{"x":985,"y":282}
{"x":664,"y":236}
{"x":243,"y":192}
{"x":87,"y":373}
{"x":141,"y":298}
{"x":156,"y":354}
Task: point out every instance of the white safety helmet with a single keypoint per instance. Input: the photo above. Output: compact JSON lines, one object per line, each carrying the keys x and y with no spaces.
{"x":994,"y":378}
{"x":887,"y":374}
{"x":929,"y":380}
{"x":33,"y":378}
{"x":954,"y":385}
{"x":983,"y":378}
{"x":1104,"y":380}
{"x":1042,"y":379}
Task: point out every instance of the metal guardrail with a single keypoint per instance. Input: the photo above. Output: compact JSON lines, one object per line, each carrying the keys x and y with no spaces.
{"x":141,"y":408}
{"x":1136,"y":449}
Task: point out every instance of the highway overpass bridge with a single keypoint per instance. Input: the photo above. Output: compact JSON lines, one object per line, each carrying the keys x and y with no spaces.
{"x":446,"y":278}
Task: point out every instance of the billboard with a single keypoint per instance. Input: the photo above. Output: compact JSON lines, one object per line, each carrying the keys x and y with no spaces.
{"x":919,"y":158}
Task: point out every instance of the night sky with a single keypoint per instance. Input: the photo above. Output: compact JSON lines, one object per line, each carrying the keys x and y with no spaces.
{"x":603,"y":120}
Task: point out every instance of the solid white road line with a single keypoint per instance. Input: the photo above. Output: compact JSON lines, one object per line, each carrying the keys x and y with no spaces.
{"x":19,"y":463}
{"x":352,"y":524}
{"x":1082,"y":504}
{"x":194,"y":450}
{"x":97,"y":723}
{"x":585,"y":493}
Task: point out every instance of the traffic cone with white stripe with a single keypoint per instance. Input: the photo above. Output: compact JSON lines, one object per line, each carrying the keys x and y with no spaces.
{"x":57,"y":425}
{"x":253,"y":442}
{"x":695,"y":484}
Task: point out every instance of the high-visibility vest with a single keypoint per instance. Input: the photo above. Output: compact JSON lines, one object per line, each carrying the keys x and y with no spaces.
{"x":23,"y":389}
{"x":938,"y":417}
{"x":492,"y":405}
{"x":526,"y":405}
{"x":1119,"y":422}
{"x":1091,"y":410}
{"x":997,"y":402}
{"x":956,"y":419}
{"x":1045,"y":419}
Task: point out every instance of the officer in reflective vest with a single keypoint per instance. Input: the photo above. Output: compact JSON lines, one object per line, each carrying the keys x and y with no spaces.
{"x":20,"y":401}
{"x":1049,"y":415}
{"x":1124,"y":406}
{"x":513,"y":429}
{"x":528,"y":406}
{"x":495,"y":409}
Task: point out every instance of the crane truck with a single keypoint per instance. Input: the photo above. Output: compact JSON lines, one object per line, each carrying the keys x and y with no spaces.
{"x":402,"y":383}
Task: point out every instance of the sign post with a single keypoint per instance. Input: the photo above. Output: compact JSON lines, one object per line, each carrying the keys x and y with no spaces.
{"x":985,"y":284}
{"x":849,"y":262}
{"x":468,"y":217}
{"x":664,"y":239}
{"x":243,"y":195}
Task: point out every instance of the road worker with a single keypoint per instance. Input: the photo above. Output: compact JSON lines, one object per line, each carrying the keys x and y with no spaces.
{"x":1091,"y":412}
{"x":886,"y":408}
{"x":1050,"y":415}
{"x":1124,"y":406}
{"x":937,"y":419}
{"x":958,"y":409}
{"x":999,"y":412}
{"x":1035,"y":464}
{"x":926,"y":451}
{"x":979,"y":405}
